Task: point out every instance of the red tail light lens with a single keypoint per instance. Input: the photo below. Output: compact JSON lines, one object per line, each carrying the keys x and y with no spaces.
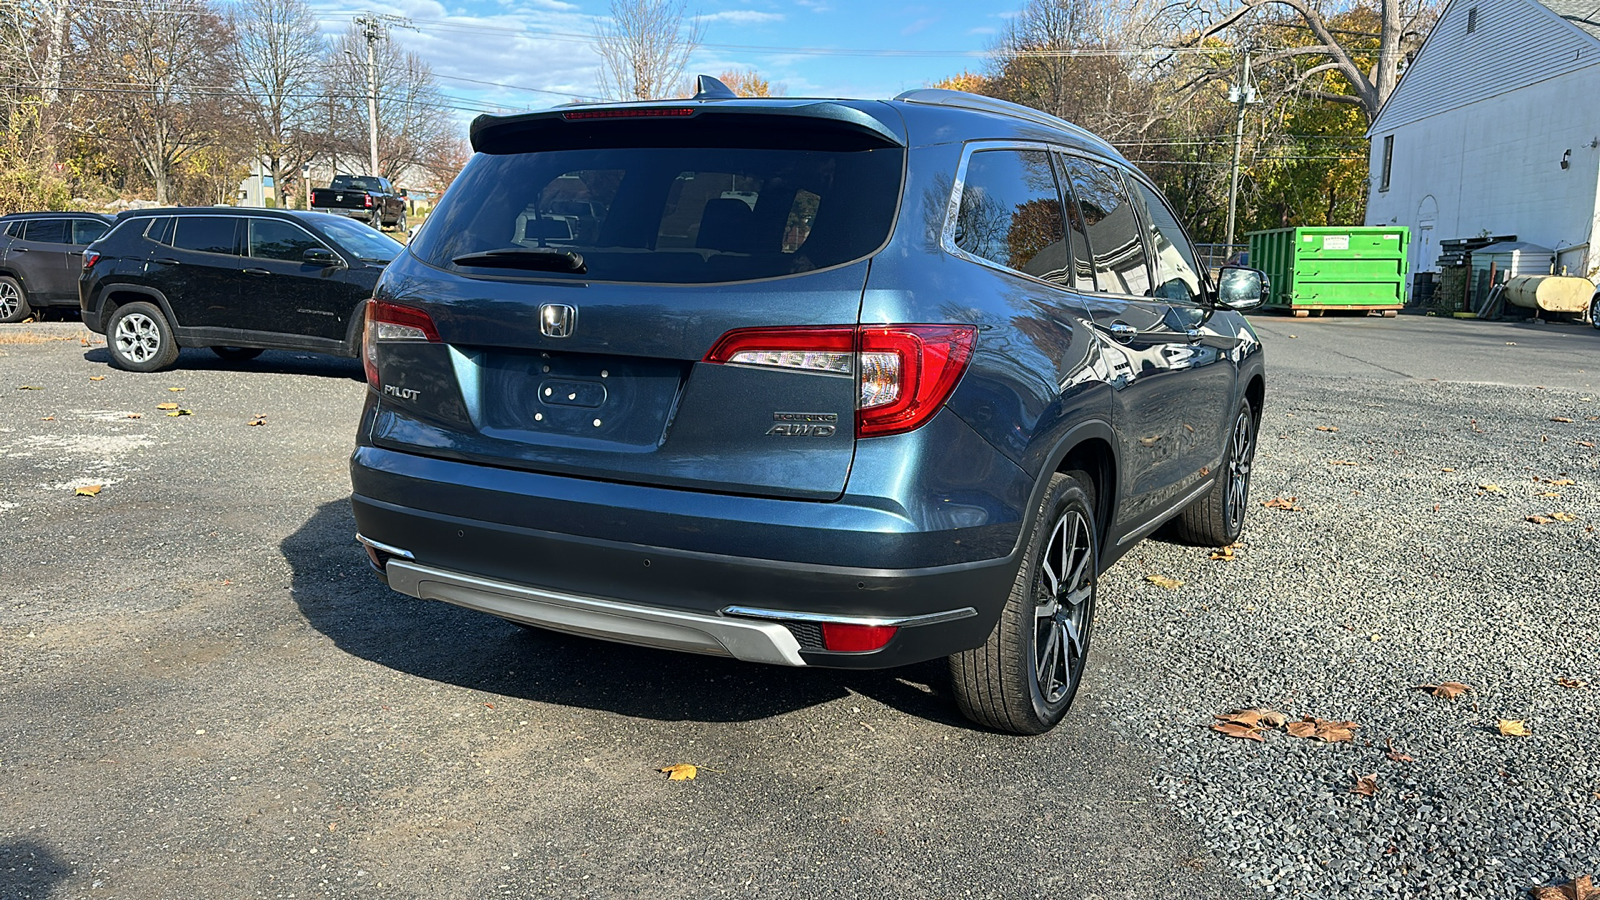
{"x":856,"y":638}
{"x":367,"y":201}
{"x":905,"y":372}
{"x":90,"y":257}
{"x":391,"y":322}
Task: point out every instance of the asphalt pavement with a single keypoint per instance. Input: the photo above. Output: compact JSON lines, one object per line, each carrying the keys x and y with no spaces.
{"x":203,"y":692}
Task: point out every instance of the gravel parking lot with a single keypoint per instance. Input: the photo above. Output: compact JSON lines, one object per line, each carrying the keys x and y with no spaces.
{"x":204,"y":693}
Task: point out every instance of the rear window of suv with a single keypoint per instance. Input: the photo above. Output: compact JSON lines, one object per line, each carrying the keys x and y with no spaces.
{"x":671,"y":216}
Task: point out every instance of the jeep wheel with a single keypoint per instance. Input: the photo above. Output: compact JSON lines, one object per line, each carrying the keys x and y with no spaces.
{"x":1023,"y":679}
{"x":139,"y":338}
{"x":1217,"y":518}
{"x":237,"y":354}
{"x":13,"y":302}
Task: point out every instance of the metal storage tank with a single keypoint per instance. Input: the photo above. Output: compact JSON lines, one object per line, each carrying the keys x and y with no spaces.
{"x":1497,"y":263}
{"x":1356,"y":268}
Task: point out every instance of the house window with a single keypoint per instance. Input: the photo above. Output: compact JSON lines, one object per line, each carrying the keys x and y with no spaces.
{"x":1388,"y":160}
{"x":1472,"y":20}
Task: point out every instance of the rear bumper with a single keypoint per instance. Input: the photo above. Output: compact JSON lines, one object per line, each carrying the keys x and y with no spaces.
{"x":360,"y":212}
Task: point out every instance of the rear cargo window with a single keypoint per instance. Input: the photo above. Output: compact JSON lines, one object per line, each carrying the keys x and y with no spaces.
{"x":674,"y":216}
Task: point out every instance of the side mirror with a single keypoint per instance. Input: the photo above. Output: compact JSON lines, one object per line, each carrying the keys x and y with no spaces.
{"x":1242,"y":288}
{"x":403,"y":193}
{"x":322,"y":256}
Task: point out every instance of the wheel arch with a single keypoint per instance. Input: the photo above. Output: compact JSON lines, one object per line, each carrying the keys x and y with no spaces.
{"x":1256,"y":393}
{"x":1089,"y":446}
{"x":115,"y":295}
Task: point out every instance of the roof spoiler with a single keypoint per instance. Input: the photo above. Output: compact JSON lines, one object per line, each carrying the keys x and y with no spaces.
{"x":687,"y":123}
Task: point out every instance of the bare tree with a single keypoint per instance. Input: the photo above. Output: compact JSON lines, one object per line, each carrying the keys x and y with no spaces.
{"x":170,"y":63}
{"x":413,"y":124}
{"x":276,"y":63}
{"x":1368,"y":62}
{"x":644,"y":48}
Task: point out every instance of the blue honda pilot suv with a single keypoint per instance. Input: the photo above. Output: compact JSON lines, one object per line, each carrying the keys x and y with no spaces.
{"x":804,"y":382}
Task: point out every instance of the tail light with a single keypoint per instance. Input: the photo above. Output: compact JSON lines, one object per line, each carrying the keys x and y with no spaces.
{"x":367,"y":201}
{"x":390,"y":322}
{"x":90,"y":257}
{"x":904,"y":373}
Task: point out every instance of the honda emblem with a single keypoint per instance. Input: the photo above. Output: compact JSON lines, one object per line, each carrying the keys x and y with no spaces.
{"x":557,"y":320}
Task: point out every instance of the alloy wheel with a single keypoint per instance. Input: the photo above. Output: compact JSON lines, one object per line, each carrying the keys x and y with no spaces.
{"x":138,"y":338}
{"x":10,"y":300}
{"x":1065,"y":593}
{"x":1240,"y":460}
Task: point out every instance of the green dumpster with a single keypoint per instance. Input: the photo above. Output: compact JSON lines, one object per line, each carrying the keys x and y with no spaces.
{"x":1355,"y":268}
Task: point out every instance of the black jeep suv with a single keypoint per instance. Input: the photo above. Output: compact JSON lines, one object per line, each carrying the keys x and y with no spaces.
{"x":804,"y":382}
{"x":236,"y":280}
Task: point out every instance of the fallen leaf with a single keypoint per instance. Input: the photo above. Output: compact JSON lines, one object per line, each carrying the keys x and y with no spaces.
{"x":1301,"y":729}
{"x":135,"y":415}
{"x":29,"y":387}
{"x":48,"y":419}
{"x":1170,"y":584}
{"x":1327,"y":428}
{"x":1558,"y":482}
{"x":1284,"y":503}
{"x":1490,"y":488}
{"x":1538,"y":520}
{"x":1396,"y":755}
{"x":97,"y":378}
{"x":1449,"y":690}
{"x":1513,"y":728}
{"x":166,"y":406}
{"x":1244,"y":732}
{"x":1563,"y":517}
{"x":1549,"y":494}
{"x":1573,"y":683}
{"x":1366,"y":785}
{"x":88,"y":490}
{"x":1226,"y":553}
{"x":680,"y":772}
{"x":1340,"y":462}
{"x":1332,"y":731}
{"x":174,"y":389}
{"x":181,"y":412}
{"x":258,"y":420}
{"x":1560,"y":419}
{"x":1589,"y":444}
{"x":1447,"y":469}
{"x":1252,"y":718}
{"x":1580,"y":888}
{"x":1273,"y":718}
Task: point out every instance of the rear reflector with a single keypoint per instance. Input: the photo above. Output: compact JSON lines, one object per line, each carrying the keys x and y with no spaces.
{"x":390,"y":322}
{"x":644,"y":112}
{"x":856,"y":638}
{"x":905,"y":373}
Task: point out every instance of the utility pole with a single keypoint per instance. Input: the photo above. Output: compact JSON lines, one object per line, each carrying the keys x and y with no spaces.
{"x":375,"y":28}
{"x":1242,"y":94}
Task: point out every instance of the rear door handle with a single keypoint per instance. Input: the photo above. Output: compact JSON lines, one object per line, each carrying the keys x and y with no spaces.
{"x":21,"y":249}
{"x":257,"y":272}
{"x":168,"y":261}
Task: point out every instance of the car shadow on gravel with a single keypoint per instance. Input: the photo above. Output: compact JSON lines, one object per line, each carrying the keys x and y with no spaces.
{"x":272,"y":362}
{"x":337,"y":593}
{"x":30,"y":869}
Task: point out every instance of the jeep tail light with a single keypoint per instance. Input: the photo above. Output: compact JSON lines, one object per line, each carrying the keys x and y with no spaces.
{"x":850,"y":638}
{"x":391,"y":322}
{"x":90,"y":257}
{"x":904,"y":373}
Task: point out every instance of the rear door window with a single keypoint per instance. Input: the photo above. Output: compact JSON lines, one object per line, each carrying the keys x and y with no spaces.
{"x":205,"y":234}
{"x":1115,"y":242}
{"x":1010,"y":214}
{"x":46,"y":231}
{"x":87,"y":231}
{"x":669,"y":215}
{"x":277,"y":239}
{"x":1177,"y":271}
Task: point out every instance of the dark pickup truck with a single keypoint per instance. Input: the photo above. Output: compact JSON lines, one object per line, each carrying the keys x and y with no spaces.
{"x":370,"y":198}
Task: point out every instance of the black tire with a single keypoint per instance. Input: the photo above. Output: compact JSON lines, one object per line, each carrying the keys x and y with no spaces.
{"x":1022,"y":680}
{"x":237,"y":354}
{"x":400,"y":223}
{"x":13,"y":300}
{"x":1594,"y":312}
{"x":1217,"y":518}
{"x":139,"y":338}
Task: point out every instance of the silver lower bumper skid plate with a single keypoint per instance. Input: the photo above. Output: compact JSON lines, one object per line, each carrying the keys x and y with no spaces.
{"x":751,"y":641}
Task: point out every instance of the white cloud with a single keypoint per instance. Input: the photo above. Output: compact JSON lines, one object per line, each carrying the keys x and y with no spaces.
{"x":741,"y":17}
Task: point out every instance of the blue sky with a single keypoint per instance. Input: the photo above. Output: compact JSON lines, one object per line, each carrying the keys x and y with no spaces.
{"x":547,"y":44}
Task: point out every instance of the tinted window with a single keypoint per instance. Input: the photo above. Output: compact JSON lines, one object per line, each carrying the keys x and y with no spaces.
{"x":1177,"y":273}
{"x":85,"y":231}
{"x":671,"y":215}
{"x":1011,"y":213}
{"x":1113,"y":228}
{"x":356,"y":183}
{"x":205,"y":234}
{"x":277,"y":239}
{"x":159,"y":229}
{"x":362,"y":241}
{"x":13,"y":229}
{"x":46,"y":231}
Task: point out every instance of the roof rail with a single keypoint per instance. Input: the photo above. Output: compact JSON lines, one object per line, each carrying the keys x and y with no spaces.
{"x":992,"y":105}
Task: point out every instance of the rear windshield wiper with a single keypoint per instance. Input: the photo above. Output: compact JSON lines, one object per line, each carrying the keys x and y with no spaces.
{"x":543,"y":259}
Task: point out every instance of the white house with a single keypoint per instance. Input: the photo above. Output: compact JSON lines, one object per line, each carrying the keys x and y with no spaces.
{"x":1495,"y":129}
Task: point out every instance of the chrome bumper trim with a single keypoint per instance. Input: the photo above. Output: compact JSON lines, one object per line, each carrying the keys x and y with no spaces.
{"x":381,"y":547}
{"x":966,"y":612}
{"x":612,"y":620}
